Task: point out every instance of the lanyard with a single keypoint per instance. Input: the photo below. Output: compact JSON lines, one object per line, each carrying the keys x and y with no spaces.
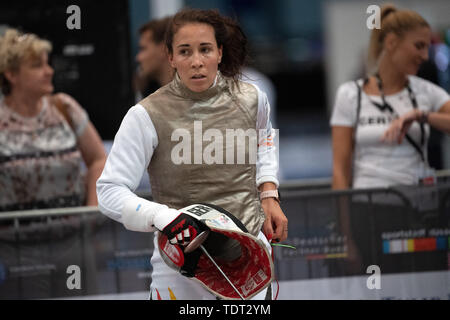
{"x":387,"y":106}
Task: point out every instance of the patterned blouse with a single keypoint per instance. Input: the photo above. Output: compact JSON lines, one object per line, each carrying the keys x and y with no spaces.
{"x":40,"y":163}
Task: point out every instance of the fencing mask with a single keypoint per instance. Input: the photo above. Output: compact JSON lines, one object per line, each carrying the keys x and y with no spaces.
{"x":244,"y":258}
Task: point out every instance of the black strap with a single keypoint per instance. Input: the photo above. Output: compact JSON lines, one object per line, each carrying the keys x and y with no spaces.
{"x":358,"y":109}
{"x":412,"y":97}
{"x":407,"y":136}
{"x":386,"y":106}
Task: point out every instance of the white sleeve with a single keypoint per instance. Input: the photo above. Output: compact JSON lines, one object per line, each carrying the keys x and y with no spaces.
{"x":267,"y":157}
{"x":345,"y":105}
{"x":127,"y":161}
{"x":438,"y":97}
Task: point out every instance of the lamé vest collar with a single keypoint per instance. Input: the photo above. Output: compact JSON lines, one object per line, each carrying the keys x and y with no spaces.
{"x":177,"y":114}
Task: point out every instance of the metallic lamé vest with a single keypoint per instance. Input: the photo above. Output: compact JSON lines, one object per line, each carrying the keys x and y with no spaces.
{"x":226,"y":105}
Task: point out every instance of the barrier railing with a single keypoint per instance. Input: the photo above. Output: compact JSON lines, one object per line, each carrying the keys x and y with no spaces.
{"x":340,"y":236}
{"x":402,"y":233}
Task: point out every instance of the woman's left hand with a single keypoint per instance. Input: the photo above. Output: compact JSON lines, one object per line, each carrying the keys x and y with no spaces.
{"x":400,"y":126}
{"x":276,"y":224}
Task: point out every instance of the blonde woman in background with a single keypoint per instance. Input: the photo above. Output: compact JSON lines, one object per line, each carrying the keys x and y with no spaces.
{"x":380,"y":126}
{"x":43,"y":137}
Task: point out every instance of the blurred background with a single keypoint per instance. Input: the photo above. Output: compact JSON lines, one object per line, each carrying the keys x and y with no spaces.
{"x":305,"y":48}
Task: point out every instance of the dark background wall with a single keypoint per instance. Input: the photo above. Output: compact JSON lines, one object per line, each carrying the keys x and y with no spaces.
{"x":287,"y":42}
{"x":92,"y":64}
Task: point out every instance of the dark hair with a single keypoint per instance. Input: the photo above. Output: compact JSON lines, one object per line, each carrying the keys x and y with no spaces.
{"x":5,"y":85}
{"x":228,"y":34}
{"x":158,"y":28}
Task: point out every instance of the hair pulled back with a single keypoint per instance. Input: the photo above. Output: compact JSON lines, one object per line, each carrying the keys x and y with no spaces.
{"x":392,"y":20}
{"x":228,"y":34}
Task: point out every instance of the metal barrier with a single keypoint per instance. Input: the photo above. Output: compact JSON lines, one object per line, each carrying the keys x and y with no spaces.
{"x":404,"y":232}
{"x":365,"y":226}
{"x":70,"y":252}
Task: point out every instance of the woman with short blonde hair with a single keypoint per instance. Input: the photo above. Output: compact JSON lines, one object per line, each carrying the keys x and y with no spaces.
{"x":44,"y":137}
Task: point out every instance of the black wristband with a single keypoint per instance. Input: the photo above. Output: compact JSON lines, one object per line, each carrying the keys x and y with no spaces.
{"x":424,"y":117}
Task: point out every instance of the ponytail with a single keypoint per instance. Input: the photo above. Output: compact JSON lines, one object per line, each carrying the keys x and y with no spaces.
{"x":391,"y":20}
{"x":377,"y":37}
{"x":235,"y":49}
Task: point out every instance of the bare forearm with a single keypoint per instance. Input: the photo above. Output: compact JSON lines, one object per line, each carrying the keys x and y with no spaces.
{"x":439,"y":121}
{"x":267,"y":186}
{"x":342,"y":138}
{"x":341,"y":179}
{"x":93,"y":173}
{"x":275,"y":225}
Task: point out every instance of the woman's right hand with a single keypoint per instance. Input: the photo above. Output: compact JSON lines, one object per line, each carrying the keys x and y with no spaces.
{"x":400,"y":126}
{"x":182,"y":229}
{"x":141,"y":215}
